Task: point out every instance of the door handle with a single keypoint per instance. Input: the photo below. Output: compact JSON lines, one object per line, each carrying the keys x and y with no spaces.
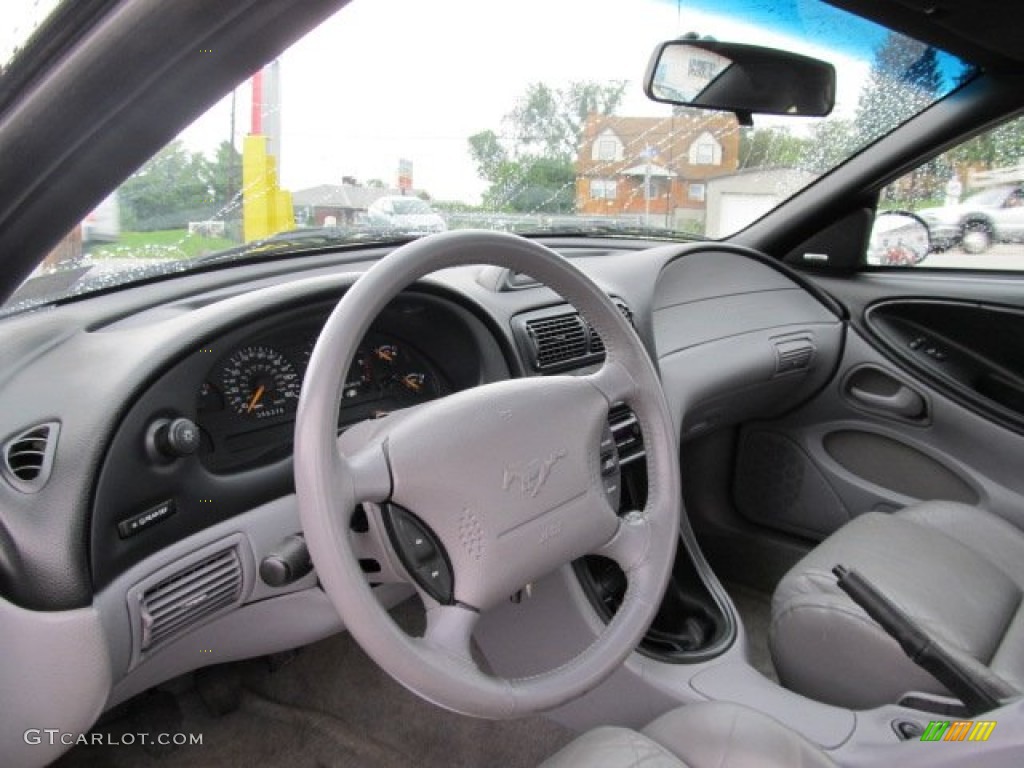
{"x":903,"y":402}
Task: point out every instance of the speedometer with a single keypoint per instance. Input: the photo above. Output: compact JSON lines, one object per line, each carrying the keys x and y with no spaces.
{"x":260,"y":383}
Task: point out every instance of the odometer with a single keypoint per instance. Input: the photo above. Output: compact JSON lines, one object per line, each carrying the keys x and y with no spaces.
{"x":260,"y":383}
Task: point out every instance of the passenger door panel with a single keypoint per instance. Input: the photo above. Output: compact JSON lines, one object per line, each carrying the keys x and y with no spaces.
{"x":924,"y":406}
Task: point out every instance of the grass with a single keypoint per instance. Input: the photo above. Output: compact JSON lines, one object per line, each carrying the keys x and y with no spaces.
{"x":162,"y":244}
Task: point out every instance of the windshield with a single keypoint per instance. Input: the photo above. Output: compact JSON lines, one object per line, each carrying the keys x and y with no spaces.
{"x":541,"y":128}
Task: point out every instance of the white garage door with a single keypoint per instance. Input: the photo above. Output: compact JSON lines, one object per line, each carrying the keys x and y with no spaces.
{"x":738,"y":210}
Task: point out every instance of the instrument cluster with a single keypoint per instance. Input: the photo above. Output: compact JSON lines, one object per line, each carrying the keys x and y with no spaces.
{"x":246,"y":405}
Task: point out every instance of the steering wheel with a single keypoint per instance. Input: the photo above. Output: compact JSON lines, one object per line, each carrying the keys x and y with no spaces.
{"x":473,"y":496}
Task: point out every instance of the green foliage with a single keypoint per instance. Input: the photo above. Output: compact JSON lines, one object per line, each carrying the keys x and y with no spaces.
{"x":997,"y":148}
{"x":550,"y":121}
{"x":770,"y":148}
{"x":161,"y":244}
{"x":533,"y":169}
{"x":533,"y":184}
{"x":904,"y":79}
{"x":831,"y":142}
{"x":177,"y":186}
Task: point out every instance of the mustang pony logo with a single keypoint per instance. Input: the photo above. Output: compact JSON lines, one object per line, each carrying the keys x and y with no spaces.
{"x":531,"y":475}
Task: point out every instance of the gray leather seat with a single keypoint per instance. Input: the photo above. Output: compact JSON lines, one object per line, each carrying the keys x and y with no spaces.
{"x":712,"y":735}
{"x":956,"y":569}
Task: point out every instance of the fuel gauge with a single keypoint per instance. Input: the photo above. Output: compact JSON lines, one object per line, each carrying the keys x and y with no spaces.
{"x":386,"y":353}
{"x":413,"y":382}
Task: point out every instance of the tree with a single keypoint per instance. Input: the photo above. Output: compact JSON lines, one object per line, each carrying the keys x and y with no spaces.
{"x":550,"y":121}
{"x":532,"y":168}
{"x":830,"y":142}
{"x":177,"y":186}
{"x":999,"y":147}
{"x":488,"y":154}
{"x":770,"y":148}
{"x":224,"y":175}
{"x":904,"y":79}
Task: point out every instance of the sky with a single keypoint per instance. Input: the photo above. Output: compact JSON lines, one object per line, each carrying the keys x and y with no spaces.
{"x":356,"y":101}
{"x":20,"y":18}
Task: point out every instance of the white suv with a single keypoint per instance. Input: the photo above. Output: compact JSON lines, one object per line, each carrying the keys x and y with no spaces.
{"x":992,"y":215}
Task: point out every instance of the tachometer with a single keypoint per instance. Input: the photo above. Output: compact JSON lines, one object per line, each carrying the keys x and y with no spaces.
{"x":260,"y":383}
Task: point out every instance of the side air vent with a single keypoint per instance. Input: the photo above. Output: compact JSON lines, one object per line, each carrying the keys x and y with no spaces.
{"x":167,"y":606}
{"x":793,"y":354}
{"x":556,"y":339}
{"x":28,"y":457}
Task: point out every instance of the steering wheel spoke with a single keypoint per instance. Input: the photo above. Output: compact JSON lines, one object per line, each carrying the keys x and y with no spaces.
{"x":450,"y":629}
{"x":630,"y":547}
{"x":614,"y":382}
{"x":365,"y":474}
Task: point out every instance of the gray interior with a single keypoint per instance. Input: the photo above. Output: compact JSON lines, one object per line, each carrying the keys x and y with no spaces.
{"x":779,"y":402}
{"x":328,"y":704}
{"x":932,"y":559}
{"x":642,"y":688}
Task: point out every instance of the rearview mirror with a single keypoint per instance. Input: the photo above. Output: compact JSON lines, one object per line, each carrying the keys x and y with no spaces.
{"x":744,"y":79}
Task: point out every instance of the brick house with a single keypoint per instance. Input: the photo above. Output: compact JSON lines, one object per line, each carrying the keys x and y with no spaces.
{"x":337,"y":204}
{"x":654,"y":166}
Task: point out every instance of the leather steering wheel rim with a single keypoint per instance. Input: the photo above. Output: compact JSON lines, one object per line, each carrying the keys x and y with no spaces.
{"x":497,"y":532}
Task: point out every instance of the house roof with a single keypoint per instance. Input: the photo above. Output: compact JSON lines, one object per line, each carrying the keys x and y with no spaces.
{"x":343,"y":196}
{"x":662,"y":141}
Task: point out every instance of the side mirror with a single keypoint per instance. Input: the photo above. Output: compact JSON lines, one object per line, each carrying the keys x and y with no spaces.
{"x":898,"y":239}
{"x":744,"y":79}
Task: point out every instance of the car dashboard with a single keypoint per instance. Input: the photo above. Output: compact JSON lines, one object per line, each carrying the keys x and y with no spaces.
{"x":130,"y":515}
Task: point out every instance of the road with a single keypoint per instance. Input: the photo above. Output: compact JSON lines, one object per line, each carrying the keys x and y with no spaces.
{"x":1002,"y":256}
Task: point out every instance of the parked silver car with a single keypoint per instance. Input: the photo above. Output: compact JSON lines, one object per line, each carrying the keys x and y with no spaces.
{"x":408,"y":214}
{"x":992,"y":215}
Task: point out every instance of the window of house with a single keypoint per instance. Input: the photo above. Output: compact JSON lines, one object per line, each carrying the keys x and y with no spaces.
{"x":705,"y":151}
{"x":696,"y":192}
{"x":969,"y":200}
{"x":603,"y":189}
{"x":607,"y":147}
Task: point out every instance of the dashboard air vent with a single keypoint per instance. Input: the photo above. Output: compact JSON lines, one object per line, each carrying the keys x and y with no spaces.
{"x":28,"y":457}
{"x":596,"y":342}
{"x":557,"y":339}
{"x":793,"y":354}
{"x":177,"y":603}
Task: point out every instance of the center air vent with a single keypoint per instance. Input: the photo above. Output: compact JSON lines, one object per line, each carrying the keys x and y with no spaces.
{"x":28,"y":457}
{"x":596,"y":342}
{"x":192,"y":594}
{"x":558,"y":339}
